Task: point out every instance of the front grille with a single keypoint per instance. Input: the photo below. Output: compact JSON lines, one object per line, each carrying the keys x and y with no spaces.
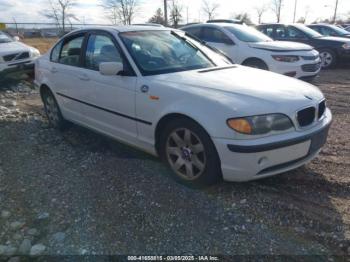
{"x":311,"y":67}
{"x":306,"y":116}
{"x":321,"y":109}
{"x":310,"y":58}
{"x":16,"y":56}
{"x":8,"y":58}
{"x":23,"y":56}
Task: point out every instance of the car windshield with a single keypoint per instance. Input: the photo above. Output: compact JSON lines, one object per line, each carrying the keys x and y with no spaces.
{"x":4,"y":38}
{"x":248,"y":34}
{"x":161,"y":52}
{"x":308,"y":31}
{"x":339,"y":30}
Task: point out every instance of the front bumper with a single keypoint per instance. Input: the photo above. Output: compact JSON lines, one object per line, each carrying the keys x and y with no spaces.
{"x":15,"y":67}
{"x":245,"y":160}
{"x":302,"y":69}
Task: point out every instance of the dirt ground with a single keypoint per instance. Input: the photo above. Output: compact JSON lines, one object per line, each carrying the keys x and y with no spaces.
{"x":77,"y":192}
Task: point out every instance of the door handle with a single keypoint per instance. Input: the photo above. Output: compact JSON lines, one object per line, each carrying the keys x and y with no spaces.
{"x":84,"y":77}
{"x":53,"y":70}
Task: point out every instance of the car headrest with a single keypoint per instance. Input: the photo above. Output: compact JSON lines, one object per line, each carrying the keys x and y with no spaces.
{"x":74,"y":51}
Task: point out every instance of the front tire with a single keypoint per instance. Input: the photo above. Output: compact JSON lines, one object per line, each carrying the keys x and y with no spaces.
{"x":328,"y":58}
{"x":189,"y":151}
{"x":53,"y":111}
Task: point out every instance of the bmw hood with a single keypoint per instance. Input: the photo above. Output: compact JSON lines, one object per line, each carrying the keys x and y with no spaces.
{"x":244,"y":82}
{"x":281,"y":46}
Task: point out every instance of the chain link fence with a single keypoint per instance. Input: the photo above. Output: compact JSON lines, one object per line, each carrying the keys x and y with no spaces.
{"x":40,"y":35}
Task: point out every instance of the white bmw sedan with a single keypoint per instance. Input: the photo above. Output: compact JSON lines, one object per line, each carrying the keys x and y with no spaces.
{"x":158,"y":90}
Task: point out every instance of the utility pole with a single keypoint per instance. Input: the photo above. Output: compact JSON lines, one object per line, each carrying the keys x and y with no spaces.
{"x":335,"y":11}
{"x":187,"y":14}
{"x":295,"y":10}
{"x":165,"y":12}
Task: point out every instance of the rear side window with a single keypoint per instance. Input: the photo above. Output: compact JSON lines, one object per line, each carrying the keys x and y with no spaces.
{"x":101,"y":49}
{"x":214,"y":35}
{"x":55,"y":54}
{"x":71,"y":50}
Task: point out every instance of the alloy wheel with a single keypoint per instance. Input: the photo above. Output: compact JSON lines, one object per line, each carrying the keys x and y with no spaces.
{"x":186,"y":154}
{"x":326,"y":59}
{"x":52,"y":110}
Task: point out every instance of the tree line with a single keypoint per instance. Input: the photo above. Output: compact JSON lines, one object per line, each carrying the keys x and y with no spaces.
{"x":125,"y":11}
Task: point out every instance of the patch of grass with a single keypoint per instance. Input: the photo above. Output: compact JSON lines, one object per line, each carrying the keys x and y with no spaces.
{"x":43,"y":44}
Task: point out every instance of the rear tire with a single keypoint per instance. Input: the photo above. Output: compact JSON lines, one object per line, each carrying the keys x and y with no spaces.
{"x":53,"y":111}
{"x":328,"y":58}
{"x":189,"y":151}
{"x":256,"y":63}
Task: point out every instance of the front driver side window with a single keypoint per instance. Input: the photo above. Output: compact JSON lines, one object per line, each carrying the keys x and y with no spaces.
{"x":101,"y":49}
{"x":215,"y":36}
{"x":70,"y":54}
{"x":294,"y":33}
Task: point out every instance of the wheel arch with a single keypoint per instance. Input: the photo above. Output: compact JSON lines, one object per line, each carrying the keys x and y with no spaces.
{"x":44,"y":88}
{"x":254,"y":59}
{"x":164,"y":120}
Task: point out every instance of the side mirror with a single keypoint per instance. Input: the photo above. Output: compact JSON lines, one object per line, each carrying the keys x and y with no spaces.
{"x":16,"y":38}
{"x":111,"y":68}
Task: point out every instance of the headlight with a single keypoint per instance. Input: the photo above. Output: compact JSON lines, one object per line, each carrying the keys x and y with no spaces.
{"x":261,"y":125}
{"x":286,"y":58}
{"x":346,"y":46}
{"x":35,"y":52}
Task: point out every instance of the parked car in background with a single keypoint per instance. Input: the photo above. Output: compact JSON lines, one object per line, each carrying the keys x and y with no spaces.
{"x":330,"y":30}
{"x":347,"y":28}
{"x":332,"y":49}
{"x":15,"y":55}
{"x":247,"y":46}
{"x":156,"y":89}
{"x":149,"y":24}
{"x":229,"y":21}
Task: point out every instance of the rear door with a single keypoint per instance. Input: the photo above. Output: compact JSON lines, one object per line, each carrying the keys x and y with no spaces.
{"x":65,"y":75}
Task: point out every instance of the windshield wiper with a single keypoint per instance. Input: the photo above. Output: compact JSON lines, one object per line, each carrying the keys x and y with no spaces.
{"x":192,"y":45}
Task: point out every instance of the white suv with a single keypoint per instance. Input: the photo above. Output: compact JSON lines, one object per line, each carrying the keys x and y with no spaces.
{"x":15,"y":55}
{"x":247,"y":46}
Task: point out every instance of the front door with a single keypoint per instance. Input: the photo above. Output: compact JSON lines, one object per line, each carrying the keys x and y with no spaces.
{"x":108,"y":101}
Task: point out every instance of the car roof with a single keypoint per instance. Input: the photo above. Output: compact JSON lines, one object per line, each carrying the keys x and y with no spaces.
{"x":214,"y":25}
{"x":122,"y":29}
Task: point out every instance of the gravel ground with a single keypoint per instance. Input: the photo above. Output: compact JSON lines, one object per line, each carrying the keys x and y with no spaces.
{"x":77,"y":192}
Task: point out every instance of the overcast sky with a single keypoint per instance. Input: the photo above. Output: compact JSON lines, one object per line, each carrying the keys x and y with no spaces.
{"x":90,"y":12}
